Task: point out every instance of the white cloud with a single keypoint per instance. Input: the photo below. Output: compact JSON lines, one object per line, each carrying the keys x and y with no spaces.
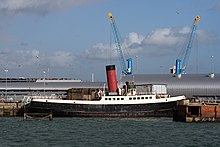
{"x":165,"y":36}
{"x":40,"y":7}
{"x":99,"y":51}
{"x":104,"y":51}
{"x":133,"y":38}
{"x":30,"y":58}
{"x":60,"y":59}
{"x":160,"y":42}
{"x":131,"y":44}
{"x":185,"y":30}
{"x":12,"y":59}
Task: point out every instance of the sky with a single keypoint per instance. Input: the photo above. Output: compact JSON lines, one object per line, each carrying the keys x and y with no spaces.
{"x":73,"y":38}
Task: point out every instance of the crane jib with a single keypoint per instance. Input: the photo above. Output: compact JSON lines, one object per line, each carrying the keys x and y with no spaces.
{"x":118,"y":48}
{"x":181,"y":68}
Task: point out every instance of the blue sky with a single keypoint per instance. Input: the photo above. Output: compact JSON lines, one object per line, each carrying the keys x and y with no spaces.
{"x":73,"y":38}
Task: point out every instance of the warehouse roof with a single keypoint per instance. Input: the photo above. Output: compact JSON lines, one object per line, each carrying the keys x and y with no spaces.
{"x":189,"y":84}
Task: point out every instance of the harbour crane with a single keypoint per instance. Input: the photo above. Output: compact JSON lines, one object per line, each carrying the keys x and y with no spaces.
{"x":128,"y":70}
{"x":180,"y":68}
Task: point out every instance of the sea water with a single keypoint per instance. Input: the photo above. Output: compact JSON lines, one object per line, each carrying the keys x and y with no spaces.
{"x":101,"y":132}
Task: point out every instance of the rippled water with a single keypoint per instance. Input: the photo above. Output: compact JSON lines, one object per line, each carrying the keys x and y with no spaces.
{"x":101,"y":132}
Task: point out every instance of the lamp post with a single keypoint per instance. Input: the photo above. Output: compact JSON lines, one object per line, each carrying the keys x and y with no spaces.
{"x":38,"y":63}
{"x":6,"y":83}
{"x":44,"y":81}
{"x":212,"y":62}
{"x":136,"y":63}
{"x":92,"y":77}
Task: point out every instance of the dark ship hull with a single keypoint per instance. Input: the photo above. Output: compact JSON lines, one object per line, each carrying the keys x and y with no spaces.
{"x":88,"y":110}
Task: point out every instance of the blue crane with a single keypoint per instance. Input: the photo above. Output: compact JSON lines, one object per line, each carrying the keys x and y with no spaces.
{"x":125,"y":71}
{"x":181,"y":68}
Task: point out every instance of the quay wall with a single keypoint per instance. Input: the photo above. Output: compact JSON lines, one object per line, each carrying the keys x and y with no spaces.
{"x":197,"y":112}
{"x":10,"y":109}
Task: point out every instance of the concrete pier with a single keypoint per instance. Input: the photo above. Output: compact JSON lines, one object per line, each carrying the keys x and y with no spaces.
{"x":192,"y":111}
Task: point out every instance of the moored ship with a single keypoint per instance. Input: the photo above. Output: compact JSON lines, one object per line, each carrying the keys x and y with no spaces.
{"x":130,"y":100}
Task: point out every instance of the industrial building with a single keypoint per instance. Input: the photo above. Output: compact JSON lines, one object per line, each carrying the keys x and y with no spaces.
{"x":191,"y":85}
{"x":17,"y":88}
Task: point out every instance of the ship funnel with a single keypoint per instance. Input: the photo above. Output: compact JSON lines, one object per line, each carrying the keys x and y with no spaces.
{"x":111,"y":78}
